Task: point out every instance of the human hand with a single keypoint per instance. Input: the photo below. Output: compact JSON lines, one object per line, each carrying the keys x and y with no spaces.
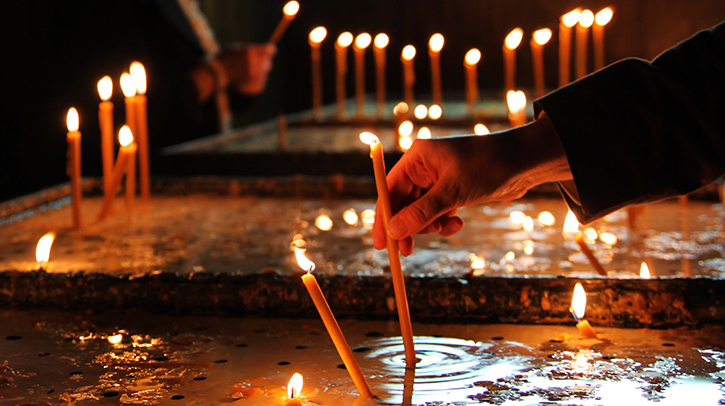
{"x":248,"y":66}
{"x":437,"y":176}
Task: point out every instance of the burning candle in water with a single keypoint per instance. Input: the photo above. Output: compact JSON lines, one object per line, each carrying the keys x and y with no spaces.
{"x":341,"y":45}
{"x":601,"y":19}
{"x":586,"y":19}
{"x":294,"y":389}
{"x":571,"y":228}
{"x":513,"y":39}
{"x":435,"y":44}
{"x":470,"y":62}
{"x":566,"y":22}
{"x":105,"y":119}
{"x":138,"y":73}
{"x":516,"y":101}
{"x":362,"y":41}
{"x":538,"y":40}
{"x":379,"y":45}
{"x":406,"y":57}
{"x":74,"y":163}
{"x":315,"y":39}
{"x":42,"y":250}
{"x":290,"y":11}
{"x":578,"y":306}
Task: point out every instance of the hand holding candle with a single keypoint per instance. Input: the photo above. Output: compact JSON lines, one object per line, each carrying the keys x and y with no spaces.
{"x":435,"y":44}
{"x":578,"y":306}
{"x":473,"y":56}
{"x":105,"y":119}
{"x":406,"y":57}
{"x":362,"y":41}
{"x":513,"y":39}
{"x":571,"y":227}
{"x":74,"y":163}
{"x":379,"y":45}
{"x":538,"y":40}
{"x":290,"y":11}
{"x":138,"y":73}
{"x":341,"y":45}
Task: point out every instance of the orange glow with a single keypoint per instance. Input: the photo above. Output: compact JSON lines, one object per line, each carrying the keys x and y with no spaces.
{"x":546,"y":218}
{"x":420,"y":111}
{"x":368,"y":218}
{"x":517,"y":217}
{"x":604,"y":16}
{"x":302,"y":260}
{"x":115,"y":339}
{"x":516,"y":101}
{"x":323,"y":222}
{"x":477,"y":262}
{"x":369,"y":138}
{"x":435,"y":44}
{"x":350,"y":217}
{"x":290,"y":9}
{"x":294,"y":387}
{"x":480,"y":129}
{"x":514,"y":38}
{"x":125,"y":137}
{"x":571,"y":224}
{"x":435,"y":112}
{"x":608,"y":238}
{"x":344,"y":40}
{"x":318,"y":35}
{"x":405,"y":128}
{"x":528,"y":224}
{"x":542,"y":36}
{"x":400,"y":109}
{"x":405,"y":143}
{"x":72,"y":120}
{"x":644,"y":271}
{"x":586,"y":19}
{"x":408,"y":52}
{"x":473,"y":56}
{"x":424,"y":133}
{"x":128,"y":87}
{"x":138,"y":73}
{"x":381,"y":41}
{"x":363,"y":40}
{"x":578,"y":301}
{"x":510,"y":256}
{"x":571,"y":18}
{"x":42,"y":250}
{"x":105,"y":88}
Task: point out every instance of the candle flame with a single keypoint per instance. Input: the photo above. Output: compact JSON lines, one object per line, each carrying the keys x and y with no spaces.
{"x":42,"y":250}
{"x":381,"y":41}
{"x":350,"y":217}
{"x":105,"y":88}
{"x":480,"y":129}
{"x":408,"y":52}
{"x":128,"y":87}
{"x":510,"y":256}
{"x":138,"y":73}
{"x":644,"y":271}
{"x":291,"y":8}
{"x":302,"y":260}
{"x":72,"y":120}
{"x":542,"y":36}
{"x":517,"y":217}
{"x":545,"y":218}
{"x":405,"y":128}
{"x":578,"y":301}
{"x":477,"y":263}
{"x":472,"y":57}
{"x":115,"y":339}
{"x":294,"y":387}
{"x":368,"y":218}
{"x":590,"y":234}
{"x":424,"y":133}
{"x":528,"y":224}
{"x":586,"y":19}
{"x":529,"y":249}
{"x":571,"y":224}
{"x":514,"y":38}
{"x":405,"y":142}
{"x":400,"y":109}
{"x":362,"y":41}
{"x":604,"y":16}
{"x":420,"y":111}
{"x":369,"y":138}
{"x":571,"y":18}
{"x":608,"y":238}
{"x":435,"y":44}
{"x":318,"y":35}
{"x":125,"y":137}
{"x":323,"y":222}
{"x":435,"y":112}
{"x":345,"y":39}
{"x":516,"y":100}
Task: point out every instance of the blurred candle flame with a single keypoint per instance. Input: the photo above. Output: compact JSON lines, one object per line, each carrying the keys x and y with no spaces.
{"x":350,"y":217}
{"x":128,"y":87}
{"x":125,"y":137}
{"x":424,"y":133}
{"x":436,"y":42}
{"x":369,"y":138}
{"x":578,"y":301}
{"x":545,"y":218}
{"x":405,"y":128}
{"x":294,"y":387}
{"x":400,"y":109}
{"x":644,"y":271}
{"x":472,"y":57}
{"x":517,"y":217}
{"x":513,"y":39}
{"x":542,"y":36}
{"x":323,"y":222}
{"x":604,"y":16}
{"x":516,"y":100}
{"x":318,"y":35}
{"x":405,"y":142}
{"x":105,"y":88}
{"x":528,"y":224}
{"x":420,"y":111}
{"x":571,"y":224}
{"x":72,"y":120}
{"x":435,"y":112}
{"x":480,"y":129}
{"x":586,"y":19}
{"x":571,"y":18}
{"x":42,"y":250}
{"x":363,"y":40}
{"x":381,"y":41}
{"x":302,"y":260}
{"x":368,"y":218}
{"x":138,"y":73}
{"x":608,"y":238}
{"x":291,"y":8}
{"x":345,"y":39}
{"x":115,"y":339}
{"x":408,"y":52}
{"x":477,"y":263}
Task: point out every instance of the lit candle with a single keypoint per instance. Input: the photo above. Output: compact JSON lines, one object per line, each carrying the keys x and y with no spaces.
{"x":361,"y":43}
{"x":516,"y":101}
{"x":435,"y":44}
{"x":125,"y":155}
{"x":42,"y":250}
{"x":470,"y":62}
{"x":480,"y":129}
{"x":138,"y":73}
{"x":420,"y":111}
{"x":128,"y":87}
{"x":341,"y":45}
{"x":401,"y":299}
{"x":424,"y":133}
{"x":571,"y":227}
{"x":406,"y":57}
{"x":405,"y":129}
{"x":644,"y":271}
{"x":567,"y":21}
{"x":578,"y":306}
{"x":315,"y":39}
{"x":435,"y":112}
{"x":333,"y":329}
{"x":105,"y":119}
{"x":586,"y":19}
{"x":290,"y":11}
{"x":74,"y":163}
{"x":538,"y":40}
{"x":131,"y":180}
{"x":600,"y":20}
{"x":379,"y":45}
{"x":294,"y":388}
{"x":513,"y":39}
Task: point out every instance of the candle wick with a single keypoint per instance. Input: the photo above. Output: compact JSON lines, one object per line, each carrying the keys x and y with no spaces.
{"x":573,"y":314}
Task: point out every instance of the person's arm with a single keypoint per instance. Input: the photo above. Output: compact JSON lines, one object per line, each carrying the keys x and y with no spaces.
{"x":637,"y":131}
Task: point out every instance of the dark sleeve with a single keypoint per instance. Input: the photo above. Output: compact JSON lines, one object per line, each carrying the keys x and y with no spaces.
{"x":638,"y":131}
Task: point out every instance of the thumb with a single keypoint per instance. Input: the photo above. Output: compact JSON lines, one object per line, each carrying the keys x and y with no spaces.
{"x":418,"y":215}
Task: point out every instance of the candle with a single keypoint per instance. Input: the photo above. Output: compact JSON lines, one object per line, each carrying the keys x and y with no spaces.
{"x":361,"y":43}
{"x":513,"y":39}
{"x":423,"y":133}
{"x":435,"y":112}
{"x":644,"y":271}
{"x":341,"y":45}
{"x":315,"y":39}
{"x":586,"y":19}
{"x":516,"y":101}
{"x":420,"y":111}
{"x":333,"y":329}
{"x":578,"y":306}
{"x":131,"y":180}
{"x":571,"y":227}
{"x":42,"y":250}
{"x":128,"y":87}
{"x":105,"y":119}
{"x":401,"y":300}
{"x":290,"y":11}
{"x":406,"y":57}
{"x":480,"y":129}
{"x":74,"y":163}
{"x":294,"y":388}
{"x":538,"y":40}
{"x":567,"y":21}
{"x":125,"y":154}
{"x":379,"y":45}
{"x":435,"y":44}
{"x":470,"y":62}
{"x":600,"y":20}
{"x":138,"y":73}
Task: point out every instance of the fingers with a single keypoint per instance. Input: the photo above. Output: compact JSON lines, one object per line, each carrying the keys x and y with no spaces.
{"x":418,"y":215}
